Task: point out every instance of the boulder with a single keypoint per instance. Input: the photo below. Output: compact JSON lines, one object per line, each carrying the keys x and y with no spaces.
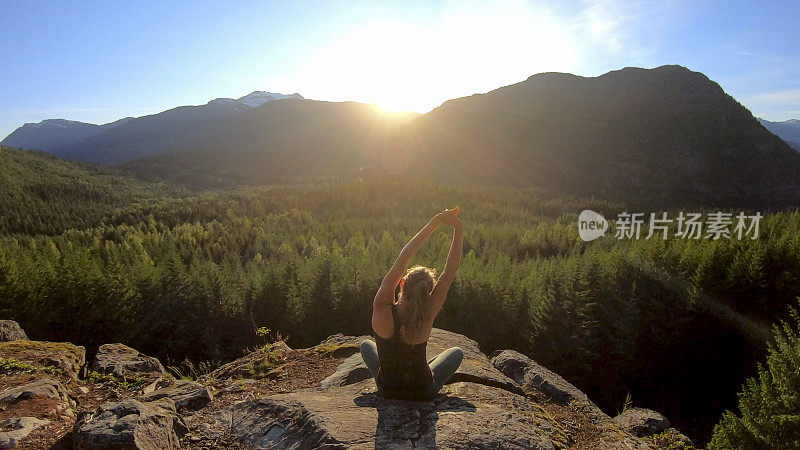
{"x":121,"y":360}
{"x":187,"y":395}
{"x":468,"y":415}
{"x":676,"y":436}
{"x":642,"y":422}
{"x":351,"y":370}
{"x":11,"y":331}
{"x":248,"y":365}
{"x":45,"y":387}
{"x":528,"y":373}
{"x":475,"y":366}
{"x":16,"y":429}
{"x":65,"y":357}
{"x":129,"y":424}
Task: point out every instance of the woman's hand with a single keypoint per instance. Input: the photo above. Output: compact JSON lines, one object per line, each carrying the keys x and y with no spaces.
{"x":449,"y":217}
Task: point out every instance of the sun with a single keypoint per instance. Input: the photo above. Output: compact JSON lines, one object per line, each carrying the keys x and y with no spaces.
{"x":416,"y":67}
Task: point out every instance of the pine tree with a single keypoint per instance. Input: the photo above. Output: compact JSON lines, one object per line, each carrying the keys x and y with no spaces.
{"x":770,"y":402}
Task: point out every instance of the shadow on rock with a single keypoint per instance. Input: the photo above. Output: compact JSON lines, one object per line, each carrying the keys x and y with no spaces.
{"x":412,"y":422}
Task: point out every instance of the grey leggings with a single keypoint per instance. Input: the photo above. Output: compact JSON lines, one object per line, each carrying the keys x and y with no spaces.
{"x":443,"y":366}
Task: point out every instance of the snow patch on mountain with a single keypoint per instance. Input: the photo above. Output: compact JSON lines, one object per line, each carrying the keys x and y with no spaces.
{"x":258,"y":98}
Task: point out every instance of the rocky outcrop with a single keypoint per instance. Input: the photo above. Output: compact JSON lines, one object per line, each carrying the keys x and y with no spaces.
{"x":354,"y":416}
{"x":481,"y":408}
{"x":475,"y":366}
{"x":319,"y":397}
{"x":121,"y":360}
{"x":642,"y":422}
{"x":11,"y":331}
{"x":18,"y":428}
{"x":542,"y":384}
{"x":340,"y":346}
{"x":251,"y":364}
{"x":186,"y":395}
{"x":45,"y":387}
{"x":352,"y":370}
{"x":62,"y":356}
{"x":526,"y":372}
{"x":129,"y":424}
{"x":674,"y":436}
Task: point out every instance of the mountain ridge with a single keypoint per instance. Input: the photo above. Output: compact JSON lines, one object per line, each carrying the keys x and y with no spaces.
{"x":788,"y":130}
{"x":666,"y":126}
{"x":50,"y":134}
{"x":662,"y":136}
{"x":81,"y":141}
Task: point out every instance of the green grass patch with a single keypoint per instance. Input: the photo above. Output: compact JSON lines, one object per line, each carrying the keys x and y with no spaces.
{"x":124,"y":383}
{"x":11,"y":365}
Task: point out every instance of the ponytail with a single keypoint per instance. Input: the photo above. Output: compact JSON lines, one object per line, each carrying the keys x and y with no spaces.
{"x":416,"y":294}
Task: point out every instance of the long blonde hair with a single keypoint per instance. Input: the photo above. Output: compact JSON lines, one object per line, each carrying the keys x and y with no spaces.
{"x":416,"y":295}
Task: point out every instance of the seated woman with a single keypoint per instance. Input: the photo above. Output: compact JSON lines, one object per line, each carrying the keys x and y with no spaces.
{"x":397,"y":357}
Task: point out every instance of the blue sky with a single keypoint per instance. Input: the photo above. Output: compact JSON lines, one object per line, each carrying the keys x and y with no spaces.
{"x":100,"y":61}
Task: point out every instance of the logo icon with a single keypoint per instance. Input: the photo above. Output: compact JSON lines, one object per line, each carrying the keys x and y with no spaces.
{"x":591,"y":225}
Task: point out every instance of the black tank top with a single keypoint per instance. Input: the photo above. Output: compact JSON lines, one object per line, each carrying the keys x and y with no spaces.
{"x":404,"y":372}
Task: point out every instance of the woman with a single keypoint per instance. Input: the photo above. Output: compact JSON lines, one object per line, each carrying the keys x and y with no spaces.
{"x":397,"y":357}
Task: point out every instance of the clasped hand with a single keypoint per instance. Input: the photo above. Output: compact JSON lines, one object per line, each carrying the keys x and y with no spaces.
{"x":448,"y":217}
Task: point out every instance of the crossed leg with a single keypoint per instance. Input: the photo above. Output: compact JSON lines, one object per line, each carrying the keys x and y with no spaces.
{"x":443,"y":366}
{"x":369,"y":352}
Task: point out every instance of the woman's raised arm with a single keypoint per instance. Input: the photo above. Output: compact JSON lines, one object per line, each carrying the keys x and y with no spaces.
{"x":385,"y":294}
{"x":439,"y":293}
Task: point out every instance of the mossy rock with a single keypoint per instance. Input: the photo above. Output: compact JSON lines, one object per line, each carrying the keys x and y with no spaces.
{"x":256,"y":364}
{"x":45,"y":356}
{"x":339,"y":345}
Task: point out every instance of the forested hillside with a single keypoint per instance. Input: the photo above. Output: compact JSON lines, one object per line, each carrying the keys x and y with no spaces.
{"x":44,"y":194}
{"x":678,"y":324}
{"x":149,"y":135}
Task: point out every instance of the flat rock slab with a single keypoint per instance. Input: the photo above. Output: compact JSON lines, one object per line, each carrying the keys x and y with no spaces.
{"x":475,"y":366}
{"x":121,"y":360}
{"x":129,"y":424}
{"x":355,"y":416}
{"x":66,"y":357}
{"x":11,"y":331}
{"x":187,"y":395}
{"x":17,"y":429}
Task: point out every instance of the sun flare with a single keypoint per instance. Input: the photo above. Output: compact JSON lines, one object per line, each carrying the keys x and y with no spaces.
{"x":415,"y":68}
